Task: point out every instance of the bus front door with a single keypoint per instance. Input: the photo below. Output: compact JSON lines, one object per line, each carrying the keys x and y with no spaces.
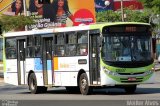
{"x":94,"y":59}
{"x":21,"y":61}
{"x":47,"y":60}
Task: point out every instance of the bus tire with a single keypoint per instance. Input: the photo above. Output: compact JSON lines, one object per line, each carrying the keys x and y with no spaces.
{"x":83,"y":84}
{"x":33,"y":85}
{"x":130,"y":89}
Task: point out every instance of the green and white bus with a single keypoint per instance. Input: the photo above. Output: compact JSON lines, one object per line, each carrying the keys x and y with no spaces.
{"x":80,"y":58}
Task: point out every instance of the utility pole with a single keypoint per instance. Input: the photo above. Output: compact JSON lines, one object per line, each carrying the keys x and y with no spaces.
{"x":25,"y":12}
{"x":24,"y":7}
{"x":122,"y":12}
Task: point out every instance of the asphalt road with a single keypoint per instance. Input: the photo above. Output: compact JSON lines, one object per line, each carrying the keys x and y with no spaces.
{"x":145,"y":95}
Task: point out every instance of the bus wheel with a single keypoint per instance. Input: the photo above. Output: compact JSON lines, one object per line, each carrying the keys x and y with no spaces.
{"x":33,"y":85}
{"x":130,"y":89}
{"x":83,"y":84}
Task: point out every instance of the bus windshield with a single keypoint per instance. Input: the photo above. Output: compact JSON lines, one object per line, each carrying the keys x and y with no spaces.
{"x":126,"y":47}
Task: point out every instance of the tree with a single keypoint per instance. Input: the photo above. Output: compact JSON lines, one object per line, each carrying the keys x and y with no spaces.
{"x":131,"y":16}
{"x":137,"y":16}
{"x":9,"y":23}
{"x":154,"y":5}
{"x":108,"y":16}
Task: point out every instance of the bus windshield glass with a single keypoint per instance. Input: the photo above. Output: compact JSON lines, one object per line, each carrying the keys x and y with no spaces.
{"x":126,"y":47}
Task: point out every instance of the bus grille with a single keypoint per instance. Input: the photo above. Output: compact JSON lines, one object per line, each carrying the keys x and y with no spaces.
{"x":131,"y":73}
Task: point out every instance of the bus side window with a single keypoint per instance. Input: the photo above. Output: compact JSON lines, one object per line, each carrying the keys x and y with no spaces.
{"x":11,"y":48}
{"x":60,"y":39}
{"x":82,"y":37}
{"x":59,"y":46}
{"x":30,"y":46}
{"x":37,"y":51}
{"x":71,"y":40}
{"x":37,"y":46}
{"x":60,"y":50}
{"x":82,"y":49}
{"x":71,"y":50}
{"x":11,"y":53}
{"x":30,"y":52}
{"x":33,"y":46}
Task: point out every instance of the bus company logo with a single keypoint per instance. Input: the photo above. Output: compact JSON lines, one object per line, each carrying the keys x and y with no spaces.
{"x":64,"y":65}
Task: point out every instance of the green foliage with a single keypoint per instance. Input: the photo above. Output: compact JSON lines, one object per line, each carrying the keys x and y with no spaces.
{"x":9,"y":23}
{"x":137,"y":16}
{"x":131,"y":16}
{"x":153,"y":5}
{"x":108,"y":16}
{"x":145,"y":16}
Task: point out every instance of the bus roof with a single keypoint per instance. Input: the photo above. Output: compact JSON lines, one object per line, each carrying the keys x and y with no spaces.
{"x":46,"y":31}
{"x":101,"y":25}
{"x":68,"y":29}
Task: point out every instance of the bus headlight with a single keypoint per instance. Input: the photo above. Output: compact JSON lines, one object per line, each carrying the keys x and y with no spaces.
{"x":148,"y":72}
{"x":110,"y":72}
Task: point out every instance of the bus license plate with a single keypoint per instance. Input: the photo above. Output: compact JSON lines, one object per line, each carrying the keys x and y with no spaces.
{"x":132,"y":79}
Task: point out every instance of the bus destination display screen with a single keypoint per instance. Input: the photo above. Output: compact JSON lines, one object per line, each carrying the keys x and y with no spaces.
{"x":130,"y":28}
